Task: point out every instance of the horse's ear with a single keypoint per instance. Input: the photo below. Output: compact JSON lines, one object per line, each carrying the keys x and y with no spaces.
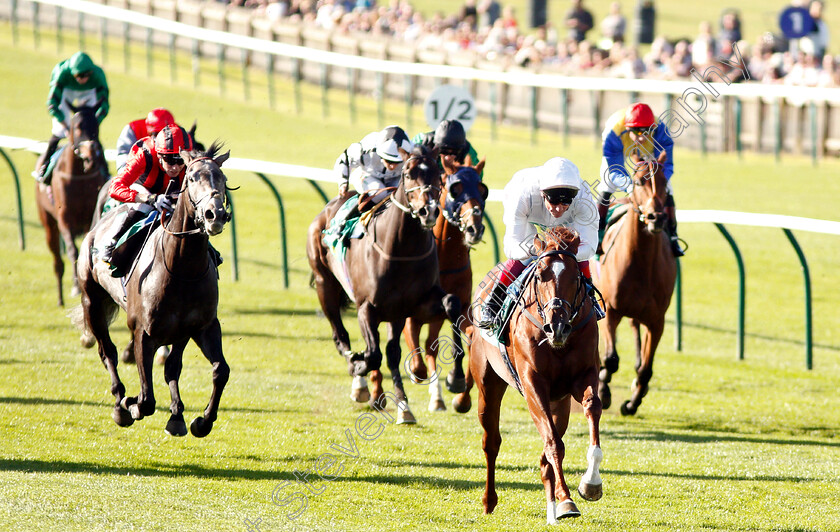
{"x":72,"y":107}
{"x":483,"y":190}
{"x":663,"y":156}
{"x":187,"y":156}
{"x":222,"y":158}
{"x":480,"y":166}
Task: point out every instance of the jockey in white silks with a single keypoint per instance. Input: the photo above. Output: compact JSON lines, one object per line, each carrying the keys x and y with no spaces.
{"x":375,"y":162}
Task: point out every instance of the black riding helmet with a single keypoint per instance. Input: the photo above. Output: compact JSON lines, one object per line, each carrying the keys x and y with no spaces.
{"x":450,"y":137}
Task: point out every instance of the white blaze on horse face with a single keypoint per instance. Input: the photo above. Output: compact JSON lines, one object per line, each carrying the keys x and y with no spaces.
{"x":557,"y":268}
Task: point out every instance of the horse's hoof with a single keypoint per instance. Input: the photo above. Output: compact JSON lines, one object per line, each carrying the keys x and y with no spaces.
{"x":121,"y":417}
{"x":605,"y":395}
{"x":176,"y":426}
{"x":462,"y":403}
{"x":200,"y":427}
{"x":627,"y":409}
{"x":591,"y":492}
{"x":437,"y":405}
{"x":161,"y":355}
{"x":127,"y":356}
{"x":455,"y":385}
{"x":360,"y":395}
{"x":419,"y":373}
{"x":127,"y":401}
{"x":405,"y":417}
{"x":566,"y":509}
{"x":87,"y":340}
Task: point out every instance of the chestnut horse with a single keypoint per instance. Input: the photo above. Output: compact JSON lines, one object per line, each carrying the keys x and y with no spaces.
{"x":170,"y":296}
{"x":390,"y":274}
{"x":636,"y":278}
{"x":459,"y":227}
{"x":552,"y":357}
{"x":78,"y":175}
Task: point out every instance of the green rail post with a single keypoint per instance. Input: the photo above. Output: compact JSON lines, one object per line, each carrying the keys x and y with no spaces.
{"x":812,"y":109}
{"x":21,"y":237}
{"x":296,"y":77}
{"x":14,"y":21}
{"x":492,"y":229}
{"x":533,"y":98}
{"x":678,"y":310}
{"x":233,"y":247}
{"x":380,"y":97}
{"x":126,"y":47}
{"x":246,"y":81}
{"x":777,"y":134}
{"x":196,"y":63}
{"x":351,"y":93}
{"x":59,"y":29}
{"x":325,"y":102}
{"x":103,"y":39}
{"x":36,"y":25}
{"x":149,"y":59}
{"x":220,"y":58}
{"x":741,"y":288}
{"x":738,"y":125}
{"x":173,"y":65}
{"x":269,"y":67}
{"x":494,"y":97}
{"x":809,"y":348}
{"x":81,"y":28}
{"x":564,"y":109}
{"x":634,"y":97}
{"x":282,"y":211}
{"x":319,"y":190}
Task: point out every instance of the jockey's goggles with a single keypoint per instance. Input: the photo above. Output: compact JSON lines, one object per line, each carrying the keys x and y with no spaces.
{"x":448,"y":151}
{"x":85,"y":74}
{"x":560,"y":196}
{"x":641,"y":130}
{"x":172,"y":159}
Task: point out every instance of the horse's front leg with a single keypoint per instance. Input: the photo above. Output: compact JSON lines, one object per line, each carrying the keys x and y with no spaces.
{"x":210,"y":342}
{"x":644,"y":366}
{"x":559,"y":502}
{"x":491,"y":390}
{"x":609,"y":364}
{"x":372,"y":359}
{"x":72,"y":257}
{"x":144,"y":351}
{"x":393,"y":357}
{"x":434,"y":346}
{"x":172,"y":373}
{"x":590,"y":487}
{"x":456,"y":380}
{"x":54,"y":245}
{"x":417,"y":369}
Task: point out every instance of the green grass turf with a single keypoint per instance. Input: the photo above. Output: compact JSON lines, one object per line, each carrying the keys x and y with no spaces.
{"x":718,"y":444}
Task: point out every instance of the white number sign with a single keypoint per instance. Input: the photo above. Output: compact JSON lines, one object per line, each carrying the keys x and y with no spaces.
{"x":450,"y":102}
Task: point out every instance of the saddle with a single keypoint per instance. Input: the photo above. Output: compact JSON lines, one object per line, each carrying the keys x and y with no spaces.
{"x":131,"y":242}
{"x":616,"y":210}
{"x":345,"y":225}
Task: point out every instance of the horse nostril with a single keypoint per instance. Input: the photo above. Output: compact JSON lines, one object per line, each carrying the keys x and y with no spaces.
{"x":209,"y":215}
{"x":423,"y":211}
{"x":470,"y":230}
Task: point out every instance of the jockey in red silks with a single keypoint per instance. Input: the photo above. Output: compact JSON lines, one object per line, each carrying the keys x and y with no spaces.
{"x":144,"y":179}
{"x":550,"y":195}
{"x":156,"y":120}
{"x":635,"y":130}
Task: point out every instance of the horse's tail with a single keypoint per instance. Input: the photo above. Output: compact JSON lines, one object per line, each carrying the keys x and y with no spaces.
{"x":77,"y":317}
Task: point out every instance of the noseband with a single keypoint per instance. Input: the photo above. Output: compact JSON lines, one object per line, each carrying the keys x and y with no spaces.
{"x":651,"y":176}
{"x":424,"y":189}
{"x":198,"y":214}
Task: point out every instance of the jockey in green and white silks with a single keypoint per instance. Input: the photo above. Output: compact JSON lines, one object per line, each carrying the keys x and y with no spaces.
{"x":77,"y":81}
{"x":374,"y":162}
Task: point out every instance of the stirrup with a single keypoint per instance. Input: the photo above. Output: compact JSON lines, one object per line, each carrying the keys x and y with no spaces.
{"x":676,"y":249}
{"x":599,"y":312}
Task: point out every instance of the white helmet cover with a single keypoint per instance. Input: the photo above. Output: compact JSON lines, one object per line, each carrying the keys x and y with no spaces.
{"x":559,"y":173}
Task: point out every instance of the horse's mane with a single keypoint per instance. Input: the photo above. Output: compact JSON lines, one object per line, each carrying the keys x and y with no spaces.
{"x":214,"y":149}
{"x":557,"y":238}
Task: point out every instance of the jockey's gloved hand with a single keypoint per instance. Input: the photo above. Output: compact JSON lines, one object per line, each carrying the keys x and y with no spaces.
{"x":160,"y":202}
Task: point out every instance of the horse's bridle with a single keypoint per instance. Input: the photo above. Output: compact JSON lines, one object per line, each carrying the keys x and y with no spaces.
{"x":198,"y":217}
{"x":424,"y":189}
{"x":569,"y":310}
{"x":638,"y":183}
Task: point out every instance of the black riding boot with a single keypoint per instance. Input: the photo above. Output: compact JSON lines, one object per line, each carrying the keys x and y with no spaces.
{"x":44,"y":160}
{"x":106,"y":251}
{"x":603,"y":209}
{"x":593,"y":294}
{"x":492,"y":306}
{"x":671,"y":211}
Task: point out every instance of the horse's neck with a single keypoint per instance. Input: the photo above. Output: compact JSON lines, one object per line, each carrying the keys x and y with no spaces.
{"x":185,"y":255}
{"x":647,"y":244}
{"x":396,"y":228}
{"x":452,"y":252}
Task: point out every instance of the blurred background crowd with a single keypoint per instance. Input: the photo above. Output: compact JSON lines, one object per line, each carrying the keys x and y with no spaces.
{"x":587,"y":45}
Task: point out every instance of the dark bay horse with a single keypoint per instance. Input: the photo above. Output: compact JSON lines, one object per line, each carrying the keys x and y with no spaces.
{"x":553,"y":357}
{"x":390,"y":274}
{"x":170,"y":296}
{"x":459,"y":227}
{"x":636,"y":278}
{"x":78,"y":175}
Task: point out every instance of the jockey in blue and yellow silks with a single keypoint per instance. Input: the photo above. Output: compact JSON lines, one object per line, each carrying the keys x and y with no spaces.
{"x":635,"y":129}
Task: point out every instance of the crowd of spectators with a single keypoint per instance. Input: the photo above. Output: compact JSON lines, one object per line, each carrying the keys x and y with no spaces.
{"x":489,"y":30}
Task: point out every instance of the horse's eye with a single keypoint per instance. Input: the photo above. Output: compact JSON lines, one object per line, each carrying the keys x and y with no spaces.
{"x":456,"y":189}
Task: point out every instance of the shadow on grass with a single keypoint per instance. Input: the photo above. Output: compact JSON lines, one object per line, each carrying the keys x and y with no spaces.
{"x":275,"y":312}
{"x":733,"y":332}
{"x":162,"y":406}
{"x":716,"y":437}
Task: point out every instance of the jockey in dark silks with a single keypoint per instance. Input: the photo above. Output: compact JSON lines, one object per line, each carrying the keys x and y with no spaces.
{"x":77,"y":81}
{"x":450,"y":139}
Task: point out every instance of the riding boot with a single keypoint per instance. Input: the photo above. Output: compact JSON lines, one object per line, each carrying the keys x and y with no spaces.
{"x":671,"y":211}
{"x":492,"y":306}
{"x":105,"y":252}
{"x":593,"y":294}
{"x":603,"y":209}
{"x":215,"y":256}
{"x":44,"y":160}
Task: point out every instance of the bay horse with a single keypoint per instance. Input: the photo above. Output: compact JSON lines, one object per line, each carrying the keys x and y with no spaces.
{"x":79,"y":174}
{"x":552,"y":357}
{"x":459,"y":227}
{"x":636,"y":278}
{"x":170,"y":296}
{"x":390,"y":274}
